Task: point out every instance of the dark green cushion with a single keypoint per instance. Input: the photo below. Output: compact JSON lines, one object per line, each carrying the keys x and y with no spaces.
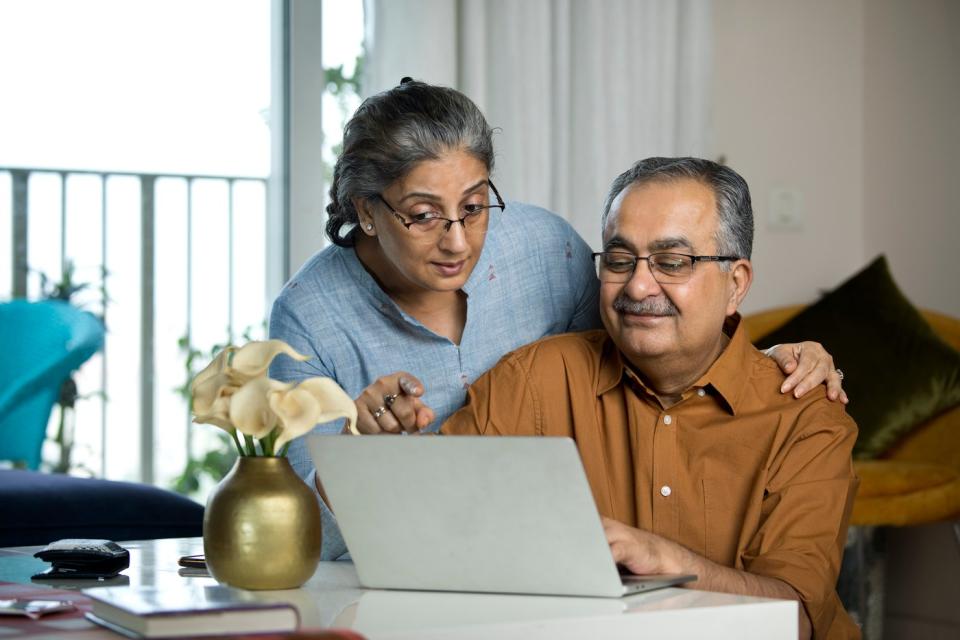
{"x":897,"y":371}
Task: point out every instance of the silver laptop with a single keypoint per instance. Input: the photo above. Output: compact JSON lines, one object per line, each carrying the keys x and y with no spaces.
{"x":462,"y":513}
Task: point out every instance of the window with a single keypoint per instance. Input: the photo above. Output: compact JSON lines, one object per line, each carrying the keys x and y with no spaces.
{"x":143,"y":134}
{"x":139,"y":166}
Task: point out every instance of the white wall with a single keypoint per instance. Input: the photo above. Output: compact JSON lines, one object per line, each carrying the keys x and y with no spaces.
{"x":852,"y":106}
{"x":788,"y":105}
{"x":911,"y":141}
{"x":855,"y":107}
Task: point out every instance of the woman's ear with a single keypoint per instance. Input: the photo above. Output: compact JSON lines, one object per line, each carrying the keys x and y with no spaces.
{"x":364,"y":216}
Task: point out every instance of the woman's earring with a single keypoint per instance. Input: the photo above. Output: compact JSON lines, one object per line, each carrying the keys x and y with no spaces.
{"x":369,"y":227}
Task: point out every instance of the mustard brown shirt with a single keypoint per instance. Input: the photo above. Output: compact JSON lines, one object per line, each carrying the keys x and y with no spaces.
{"x":736,"y":471}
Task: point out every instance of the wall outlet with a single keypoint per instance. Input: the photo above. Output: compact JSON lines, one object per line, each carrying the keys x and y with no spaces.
{"x":785,"y":212}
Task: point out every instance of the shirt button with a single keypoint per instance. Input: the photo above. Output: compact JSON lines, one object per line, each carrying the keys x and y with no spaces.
{"x":665,"y":491}
{"x":667,"y":419}
{"x":701,"y":392}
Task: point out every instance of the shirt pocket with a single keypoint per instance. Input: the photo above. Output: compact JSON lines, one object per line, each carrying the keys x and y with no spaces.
{"x":729,"y":482}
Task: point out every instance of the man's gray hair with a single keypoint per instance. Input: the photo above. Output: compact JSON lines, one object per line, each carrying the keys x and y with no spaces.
{"x":735,"y":230}
{"x":390,"y":134}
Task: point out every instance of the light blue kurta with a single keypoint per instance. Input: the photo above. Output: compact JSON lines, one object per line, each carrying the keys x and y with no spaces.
{"x":534,"y":278}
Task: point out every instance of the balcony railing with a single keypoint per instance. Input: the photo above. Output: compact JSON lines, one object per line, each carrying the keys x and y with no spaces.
{"x":173,"y":259}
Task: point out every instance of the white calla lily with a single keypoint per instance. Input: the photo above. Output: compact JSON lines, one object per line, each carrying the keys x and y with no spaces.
{"x":223,"y":423}
{"x":207,"y":391}
{"x":219,"y":413}
{"x":313,"y":401}
{"x":334,"y":401}
{"x":297,"y":410}
{"x":254,"y":358}
{"x":250,"y":411}
{"x":234,"y":393}
{"x":217,"y":365}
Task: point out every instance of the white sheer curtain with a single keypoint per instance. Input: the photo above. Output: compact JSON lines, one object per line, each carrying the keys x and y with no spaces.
{"x":579,"y":89}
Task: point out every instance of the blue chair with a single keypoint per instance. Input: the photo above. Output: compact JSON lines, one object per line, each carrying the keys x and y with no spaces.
{"x":41,"y":344}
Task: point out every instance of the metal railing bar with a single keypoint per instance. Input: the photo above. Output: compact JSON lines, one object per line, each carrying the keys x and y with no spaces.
{"x":103,"y":312}
{"x":189,"y":304}
{"x":230,"y":272}
{"x":19,"y":177}
{"x":63,"y":222}
{"x":135,"y":174}
{"x":147,"y":217}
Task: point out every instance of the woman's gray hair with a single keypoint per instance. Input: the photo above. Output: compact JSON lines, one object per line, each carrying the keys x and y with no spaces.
{"x":735,"y":231}
{"x":389,"y":135}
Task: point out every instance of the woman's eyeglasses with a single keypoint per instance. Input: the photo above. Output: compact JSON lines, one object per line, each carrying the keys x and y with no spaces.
{"x":430,"y":226}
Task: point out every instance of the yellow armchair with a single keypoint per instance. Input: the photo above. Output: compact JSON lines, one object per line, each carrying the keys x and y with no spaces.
{"x":918,"y":480}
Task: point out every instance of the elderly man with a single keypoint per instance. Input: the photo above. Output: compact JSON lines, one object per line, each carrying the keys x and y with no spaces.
{"x":696,"y":460}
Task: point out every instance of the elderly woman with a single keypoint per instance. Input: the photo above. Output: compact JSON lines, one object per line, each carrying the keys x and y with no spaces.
{"x":432,"y":277}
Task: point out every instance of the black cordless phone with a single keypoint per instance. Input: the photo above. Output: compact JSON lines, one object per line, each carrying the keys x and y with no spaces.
{"x":83,"y":559}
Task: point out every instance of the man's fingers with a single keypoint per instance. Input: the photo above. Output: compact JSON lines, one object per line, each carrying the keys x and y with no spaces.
{"x":618,"y":551}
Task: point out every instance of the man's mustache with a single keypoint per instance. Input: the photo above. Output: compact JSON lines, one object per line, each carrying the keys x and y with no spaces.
{"x":645,"y":307}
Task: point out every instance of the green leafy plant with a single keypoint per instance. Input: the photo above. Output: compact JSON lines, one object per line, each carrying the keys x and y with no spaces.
{"x":342,"y":87}
{"x":339,"y":84}
{"x":213,"y":464}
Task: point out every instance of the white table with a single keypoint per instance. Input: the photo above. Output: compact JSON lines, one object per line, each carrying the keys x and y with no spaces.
{"x":334,"y":598}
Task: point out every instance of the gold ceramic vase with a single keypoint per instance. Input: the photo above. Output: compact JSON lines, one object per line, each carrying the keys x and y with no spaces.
{"x":261,"y":527}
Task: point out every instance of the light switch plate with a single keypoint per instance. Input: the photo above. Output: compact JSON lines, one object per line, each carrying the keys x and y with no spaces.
{"x":785,"y":212}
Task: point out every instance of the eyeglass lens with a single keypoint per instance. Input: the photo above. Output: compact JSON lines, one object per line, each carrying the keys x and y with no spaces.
{"x":476,"y":219}
{"x":666,"y":268}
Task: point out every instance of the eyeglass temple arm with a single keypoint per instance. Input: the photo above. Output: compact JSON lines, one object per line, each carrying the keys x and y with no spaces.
{"x":500,"y":201}
{"x":713,"y":258}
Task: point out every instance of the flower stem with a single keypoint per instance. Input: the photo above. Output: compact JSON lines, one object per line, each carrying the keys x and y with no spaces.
{"x":267,"y":442}
{"x":283,"y":450}
{"x":251,"y":446}
{"x":236,"y":441}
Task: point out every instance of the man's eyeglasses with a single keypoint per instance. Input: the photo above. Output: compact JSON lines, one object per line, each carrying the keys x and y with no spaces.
{"x":429,"y":226}
{"x":666,"y":268}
